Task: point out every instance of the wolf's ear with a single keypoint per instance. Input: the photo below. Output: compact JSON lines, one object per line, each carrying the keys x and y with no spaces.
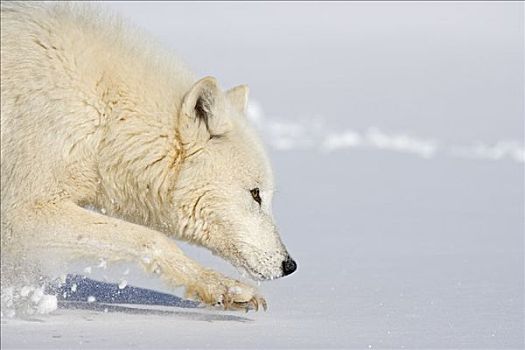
{"x":202,"y":113}
{"x":238,"y":97}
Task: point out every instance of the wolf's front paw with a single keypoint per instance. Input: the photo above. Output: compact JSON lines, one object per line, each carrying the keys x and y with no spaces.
{"x":216,"y":290}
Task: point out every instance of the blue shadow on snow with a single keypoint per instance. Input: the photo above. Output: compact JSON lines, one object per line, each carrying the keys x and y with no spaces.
{"x":110,"y":293}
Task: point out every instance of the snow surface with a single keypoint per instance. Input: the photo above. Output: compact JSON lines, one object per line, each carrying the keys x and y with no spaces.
{"x":416,"y":254}
{"x":403,"y":204}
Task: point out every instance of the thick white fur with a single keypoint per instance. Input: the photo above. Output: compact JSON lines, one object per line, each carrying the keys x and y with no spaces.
{"x":93,"y":115}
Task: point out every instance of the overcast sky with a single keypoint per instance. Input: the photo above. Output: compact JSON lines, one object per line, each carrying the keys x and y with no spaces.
{"x":446,"y":70}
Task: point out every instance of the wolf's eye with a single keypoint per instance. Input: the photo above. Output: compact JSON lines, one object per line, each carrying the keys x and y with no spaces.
{"x":256,"y":196}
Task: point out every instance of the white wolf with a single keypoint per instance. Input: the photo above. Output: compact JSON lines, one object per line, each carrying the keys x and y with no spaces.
{"x":93,"y":116}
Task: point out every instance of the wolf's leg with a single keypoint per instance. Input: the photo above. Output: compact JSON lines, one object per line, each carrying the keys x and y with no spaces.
{"x":74,"y":232}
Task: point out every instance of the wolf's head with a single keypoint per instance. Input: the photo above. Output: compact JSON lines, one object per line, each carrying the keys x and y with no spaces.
{"x":225,"y":186}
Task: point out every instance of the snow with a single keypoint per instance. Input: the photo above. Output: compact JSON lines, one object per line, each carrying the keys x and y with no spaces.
{"x":399,"y":184}
{"x":417,"y":254}
{"x":122,"y":284}
{"x":103,"y":264}
{"x":47,"y":304}
{"x":316,"y":135}
{"x":27,"y":301}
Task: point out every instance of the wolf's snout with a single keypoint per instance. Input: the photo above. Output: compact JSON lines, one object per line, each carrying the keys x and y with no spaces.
{"x":289,"y":266}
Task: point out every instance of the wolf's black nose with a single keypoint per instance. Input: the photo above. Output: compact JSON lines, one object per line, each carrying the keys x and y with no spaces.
{"x":289,"y":266}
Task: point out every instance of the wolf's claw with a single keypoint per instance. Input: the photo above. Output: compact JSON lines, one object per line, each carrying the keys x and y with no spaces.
{"x":264,"y":305}
{"x":226,"y":301}
{"x":255,"y":303}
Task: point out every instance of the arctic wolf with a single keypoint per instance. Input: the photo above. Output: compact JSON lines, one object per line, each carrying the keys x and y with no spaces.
{"x":93,"y":117}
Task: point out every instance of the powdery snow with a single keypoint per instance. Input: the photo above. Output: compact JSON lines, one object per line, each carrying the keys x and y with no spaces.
{"x":26,"y":301}
{"x":122,"y":284}
{"x":409,"y":254}
{"x":47,"y":304}
{"x":315,"y":134}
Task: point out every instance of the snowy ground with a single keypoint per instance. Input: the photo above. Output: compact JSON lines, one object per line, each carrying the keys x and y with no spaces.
{"x":402,"y":241}
{"x":418,"y":254}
